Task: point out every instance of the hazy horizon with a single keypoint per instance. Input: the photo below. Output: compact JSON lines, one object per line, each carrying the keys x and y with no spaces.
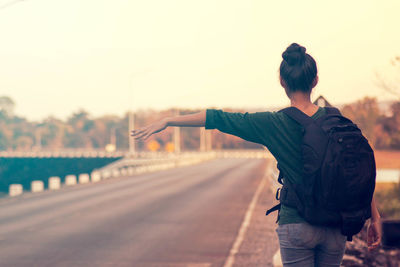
{"x":109,"y":57}
{"x":383,"y":105}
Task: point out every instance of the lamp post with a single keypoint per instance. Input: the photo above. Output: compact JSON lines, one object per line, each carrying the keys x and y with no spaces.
{"x":177,"y":136}
{"x":131,"y":128}
{"x":203,"y":146}
{"x":112,"y":145}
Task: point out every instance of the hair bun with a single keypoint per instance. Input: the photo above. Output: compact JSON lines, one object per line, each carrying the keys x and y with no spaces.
{"x":294,"y":54}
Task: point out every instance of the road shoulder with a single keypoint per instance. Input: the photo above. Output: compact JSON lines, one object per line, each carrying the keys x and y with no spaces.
{"x":260,"y":242}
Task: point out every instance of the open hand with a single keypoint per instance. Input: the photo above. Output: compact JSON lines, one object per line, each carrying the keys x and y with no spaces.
{"x":374,"y":235}
{"x":144,"y":132}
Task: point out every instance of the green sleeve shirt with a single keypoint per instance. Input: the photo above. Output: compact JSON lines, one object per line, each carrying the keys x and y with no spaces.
{"x":276,"y":131}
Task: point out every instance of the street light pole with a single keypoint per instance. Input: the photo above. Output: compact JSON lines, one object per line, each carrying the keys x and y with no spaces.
{"x":113,"y":136}
{"x":131,"y":128}
{"x":208,"y":140}
{"x":177,"y":136}
{"x":203,"y":142}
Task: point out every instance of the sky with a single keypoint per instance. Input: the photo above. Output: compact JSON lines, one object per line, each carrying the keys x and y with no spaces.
{"x":111,"y":56}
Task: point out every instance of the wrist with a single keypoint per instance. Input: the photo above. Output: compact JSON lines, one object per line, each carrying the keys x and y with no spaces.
{"x":167,"y":121}
{"x":375,"y":219}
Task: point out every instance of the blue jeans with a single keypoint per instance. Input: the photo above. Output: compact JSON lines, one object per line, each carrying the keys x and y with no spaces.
{"x":306,"y":245}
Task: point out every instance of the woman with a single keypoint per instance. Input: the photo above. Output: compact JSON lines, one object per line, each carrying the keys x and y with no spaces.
{"x":301,"y":244}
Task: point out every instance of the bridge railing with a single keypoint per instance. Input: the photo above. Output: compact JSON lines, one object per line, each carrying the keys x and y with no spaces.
{"x":156,"y":161}
{"x":257,"y":153}
{"x":130,"y":164}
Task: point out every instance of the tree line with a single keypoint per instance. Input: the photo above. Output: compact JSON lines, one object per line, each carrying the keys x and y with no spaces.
{"x":82,"y":131}
{"x":380,"y":126}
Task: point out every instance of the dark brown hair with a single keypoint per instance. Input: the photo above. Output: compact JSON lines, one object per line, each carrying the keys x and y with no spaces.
{"x":298,"y":69}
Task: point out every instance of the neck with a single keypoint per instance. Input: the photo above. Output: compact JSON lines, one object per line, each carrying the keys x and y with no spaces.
{"x":299,"y":99}
{"x":303,"y":102}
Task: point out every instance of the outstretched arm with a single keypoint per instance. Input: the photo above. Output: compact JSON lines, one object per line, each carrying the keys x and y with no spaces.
{"x":248,"y":126}
{"x":190,"y":120}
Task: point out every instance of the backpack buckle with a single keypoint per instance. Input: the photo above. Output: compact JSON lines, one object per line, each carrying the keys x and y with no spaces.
{"x":278,"y":194}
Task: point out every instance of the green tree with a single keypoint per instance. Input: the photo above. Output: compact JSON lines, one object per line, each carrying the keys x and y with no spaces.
{"x":53,"y":133}
{"x":76,"y":134}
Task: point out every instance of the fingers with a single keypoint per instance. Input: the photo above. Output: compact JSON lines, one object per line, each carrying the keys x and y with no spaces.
{"x":374,"y":240}
{"x":373,"y":246}
{"x":146,"y":132}
{"x":146,"y":136}
{"x":142,"y":134}
{"x":139,"y":134}
{"x":377,"y":242}
{"x":138,"y":131}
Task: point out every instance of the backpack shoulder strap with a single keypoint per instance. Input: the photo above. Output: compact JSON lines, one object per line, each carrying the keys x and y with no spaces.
{"x":332,"y":111}
{"x":298,"y":116}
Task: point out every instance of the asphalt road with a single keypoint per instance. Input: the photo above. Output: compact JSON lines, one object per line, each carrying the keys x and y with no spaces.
{"x":188,"y":216}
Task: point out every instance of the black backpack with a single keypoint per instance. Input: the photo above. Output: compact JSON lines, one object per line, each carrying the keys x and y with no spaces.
{"x":338,"y":173}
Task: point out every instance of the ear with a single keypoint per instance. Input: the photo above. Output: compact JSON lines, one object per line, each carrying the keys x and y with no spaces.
{"x":284,"y":86}
{"x":282,"y":82}
{"x":315,"y":81}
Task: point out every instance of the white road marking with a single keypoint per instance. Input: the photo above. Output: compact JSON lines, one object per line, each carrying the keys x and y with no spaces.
{"x":276,"y":260}
{"x":177,"y":264}
{"x":245,"y":224}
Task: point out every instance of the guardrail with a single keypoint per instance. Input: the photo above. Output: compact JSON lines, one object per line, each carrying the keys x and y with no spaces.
{"x":158,"y":161}
{"x":62,"y":154}
{"x":131,"y":164}
{"x":252,"y":153}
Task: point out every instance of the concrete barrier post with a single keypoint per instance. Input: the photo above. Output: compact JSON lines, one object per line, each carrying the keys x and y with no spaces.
{"x":116,"y":173}
{"x":15,"y":190}
{"x":83,"y":178}
{"x":37,"y":186}
{"x":95,"y":177}
{"x":124,"y":172}
{"x":105,"y":174}
{"x":70,"y":180}
{"x":139,"y":169}
{"x":54,"y":183}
